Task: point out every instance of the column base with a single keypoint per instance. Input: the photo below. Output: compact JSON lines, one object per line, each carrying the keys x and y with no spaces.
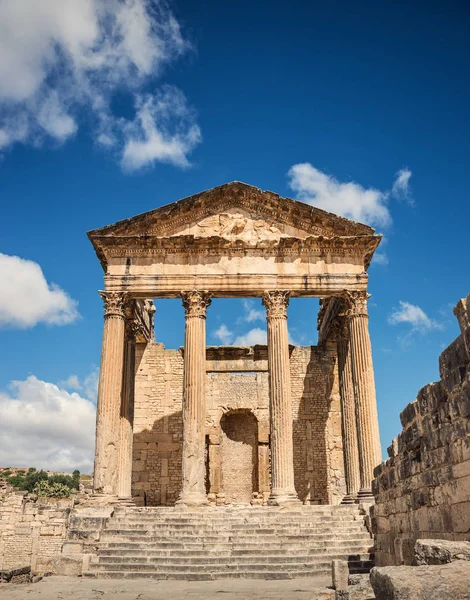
{"x":192,"y":499}
{"x":365,"y":495}
{"x":282,"y":498}
{"x":349,"y":499}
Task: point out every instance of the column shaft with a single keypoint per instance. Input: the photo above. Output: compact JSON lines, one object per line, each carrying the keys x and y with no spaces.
{"x":127,"y":414}
{"x":282,"y":451}
{"x":346,"y":385}
{"x":105,"y":478}
{"x":364,"y":385}
{"x":194,"y":409}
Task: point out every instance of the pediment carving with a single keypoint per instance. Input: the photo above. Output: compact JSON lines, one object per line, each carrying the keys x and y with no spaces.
{"x":234,"y":225}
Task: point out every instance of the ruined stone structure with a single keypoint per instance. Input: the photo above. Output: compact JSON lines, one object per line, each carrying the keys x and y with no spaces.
{"x":276,"y":424}
{"x":423,"y":489}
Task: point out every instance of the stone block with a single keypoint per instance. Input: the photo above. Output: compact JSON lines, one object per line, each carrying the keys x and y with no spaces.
{"x":435,"y":582}
{"x":68,"y":565}
{"x":340,"y":574}
{"x":440,"y":552}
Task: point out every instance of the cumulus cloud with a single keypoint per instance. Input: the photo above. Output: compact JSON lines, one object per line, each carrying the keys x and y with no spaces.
{"x":45,"y":426}
{"x":152,"y":136}
{"x":348,"y":199}
{"x":88,"y":387}
{"x":63,"y":61}
{"x":26,"y":298}
{"x":251,"y":313}
{"x":415,"y":316}
{"x":401,"y":185}
{"x":252,"y":337}
{"x":223,"y":334}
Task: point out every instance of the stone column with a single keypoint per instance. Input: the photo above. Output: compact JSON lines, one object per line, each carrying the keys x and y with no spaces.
{"x":280,"y":408}
{"x":127,"y":409}
{"x":348,"y":406}
{"x":364,"y":387}
{"x":105,"y":479}
{"x":193,"y":492}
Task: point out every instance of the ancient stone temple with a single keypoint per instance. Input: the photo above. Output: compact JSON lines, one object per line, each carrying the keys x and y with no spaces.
{"x":255,"y":425}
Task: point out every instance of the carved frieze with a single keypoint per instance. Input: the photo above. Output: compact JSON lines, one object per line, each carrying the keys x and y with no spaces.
{"x":195,"y":303}
{"x":276,"y":303}
{"x":233,"y":226}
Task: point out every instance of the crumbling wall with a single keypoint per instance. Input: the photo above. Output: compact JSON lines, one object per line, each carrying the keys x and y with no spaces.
{"x":423,"y":489}
{"x":32,"y":532}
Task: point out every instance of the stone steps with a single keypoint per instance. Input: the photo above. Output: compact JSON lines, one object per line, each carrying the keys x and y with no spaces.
{"x":122,"y":550}
{"x":213,"y":543}
{"x":215,"y":561}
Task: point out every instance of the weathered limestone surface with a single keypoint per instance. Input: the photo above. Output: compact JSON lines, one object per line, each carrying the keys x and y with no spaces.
{"x":367,"y":422}
{"x":233,"y":241}
{"x":436,"y":582}
{"x":350,"y":440}
{"x":280,"y":405}
{"x":194,"y":398}
{"x":237,"y":383}
{"x":423,"y":489}
{"x":32,"y":533}
{"x":106,"y":472}
{"x":256,"y":241}
{"x":440,"y":552}
{"x":340,"y":574}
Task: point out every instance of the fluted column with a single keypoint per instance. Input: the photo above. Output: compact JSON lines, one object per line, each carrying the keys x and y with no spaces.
{"x":193,"y":492}
{"x":105,"y":478}
{"x":364,"y":386}
{"x":346,"y":386}
{"x":282,"y":452}
{"x":127,"y":409}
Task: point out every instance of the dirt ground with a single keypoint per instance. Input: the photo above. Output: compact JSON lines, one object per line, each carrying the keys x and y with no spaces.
{"x":70,"y":588}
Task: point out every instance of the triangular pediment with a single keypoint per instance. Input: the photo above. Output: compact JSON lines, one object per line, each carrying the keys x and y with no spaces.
{"x":235,"y":211}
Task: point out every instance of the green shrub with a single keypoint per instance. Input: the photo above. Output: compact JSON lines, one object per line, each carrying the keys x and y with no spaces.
{"x":52,"y":490}
{"x":29,"y":481}
{"x":6,"y":474}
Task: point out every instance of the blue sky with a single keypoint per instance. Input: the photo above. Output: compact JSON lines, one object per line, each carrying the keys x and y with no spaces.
{"x":110,"y":109}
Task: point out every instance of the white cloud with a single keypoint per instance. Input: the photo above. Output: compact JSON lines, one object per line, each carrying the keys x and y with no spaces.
{"x":252,"y":337}
{"x":414,"y":316}
{"x":71,"y":383}
{"x":351,"y":200}
{"x":152,"y":137}
{"x":251,"y":313}
{"x":401,"y":185}
{"x":44,"y":426}
{"x":380,"y":258}
{"x":26,"y":298}
{"x":223,"y":334}
{"x":63,"y":61}
{"x":89,"y":385}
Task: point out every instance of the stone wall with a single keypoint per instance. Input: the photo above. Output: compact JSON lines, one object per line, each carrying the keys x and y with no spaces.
{"x":423,"y":489}
{"x":32,"y":533}
{"x":237,"y":381}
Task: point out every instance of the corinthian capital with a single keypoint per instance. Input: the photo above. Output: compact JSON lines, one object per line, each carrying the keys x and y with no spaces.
{"x":276,"y":303}
{"x":356,"y":303}
{"x":195,"y":303}
{"x":115,"y":303}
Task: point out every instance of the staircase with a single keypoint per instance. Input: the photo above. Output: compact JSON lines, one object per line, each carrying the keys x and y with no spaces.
{"x":230,"y":542}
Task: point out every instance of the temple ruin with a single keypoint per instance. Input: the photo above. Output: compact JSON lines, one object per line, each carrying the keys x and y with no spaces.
{"x":268,"y":424}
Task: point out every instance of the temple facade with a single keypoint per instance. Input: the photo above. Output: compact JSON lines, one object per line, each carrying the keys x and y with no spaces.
{"x":276,"y":424}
